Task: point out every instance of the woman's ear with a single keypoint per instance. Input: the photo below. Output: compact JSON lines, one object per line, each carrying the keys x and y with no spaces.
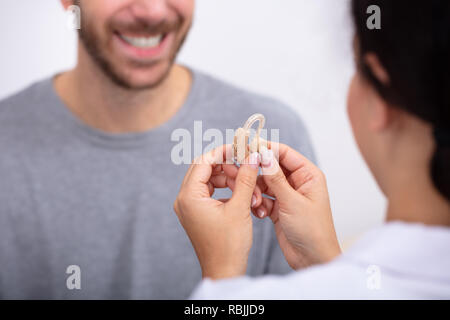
{"x":379,"y":109}
{"x":67,"y":3}
{"x":371,"y":60}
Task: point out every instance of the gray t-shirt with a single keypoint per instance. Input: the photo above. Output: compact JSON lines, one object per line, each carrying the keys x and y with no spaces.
{"x":73,"y":195}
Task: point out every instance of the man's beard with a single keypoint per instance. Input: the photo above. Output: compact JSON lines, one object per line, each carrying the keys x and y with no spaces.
{"x":96,"y":50}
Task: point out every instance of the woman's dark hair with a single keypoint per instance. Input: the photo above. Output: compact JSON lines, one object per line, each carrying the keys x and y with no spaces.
{"x":413,"y":45}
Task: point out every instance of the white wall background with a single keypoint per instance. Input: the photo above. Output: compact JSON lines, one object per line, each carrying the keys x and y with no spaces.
{"x":296,"y":50}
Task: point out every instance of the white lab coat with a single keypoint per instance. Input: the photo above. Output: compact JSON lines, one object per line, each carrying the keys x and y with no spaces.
{"x":395,"y":261}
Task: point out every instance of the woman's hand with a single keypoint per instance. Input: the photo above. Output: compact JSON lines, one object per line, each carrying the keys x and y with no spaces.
{"x":220,"y":230}
{"x":300,"y":209}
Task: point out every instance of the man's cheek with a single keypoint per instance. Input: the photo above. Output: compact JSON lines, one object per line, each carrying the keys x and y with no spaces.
{"x":185,"y":9}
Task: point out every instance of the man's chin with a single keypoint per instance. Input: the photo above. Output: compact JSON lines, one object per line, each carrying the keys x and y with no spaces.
{"x":141,"y":79}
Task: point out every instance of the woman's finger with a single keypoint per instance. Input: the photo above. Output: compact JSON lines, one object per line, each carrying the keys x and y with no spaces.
{"x":245,"y":182}
{"x":231,"y":170}
{"x":203,"y":166}
{"x":295,"y":166}
{"x":220,"y":181}
{"x":274,"y":176}
{"x":290,"y":159}
{"x":264,"y":210}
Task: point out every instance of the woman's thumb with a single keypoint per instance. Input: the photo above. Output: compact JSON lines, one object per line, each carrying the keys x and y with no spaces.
{"x":273,"y":175}
{"x":246,"y":180}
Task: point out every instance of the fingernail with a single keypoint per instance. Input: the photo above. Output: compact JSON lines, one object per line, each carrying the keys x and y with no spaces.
{"x":266,"y":157}
{"x":253,"y":201}
{"x":260,"y":213}
{"x":255,"y":160}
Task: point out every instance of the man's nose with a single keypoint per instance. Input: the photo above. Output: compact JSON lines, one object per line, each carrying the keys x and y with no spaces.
{"x":153,"y":10}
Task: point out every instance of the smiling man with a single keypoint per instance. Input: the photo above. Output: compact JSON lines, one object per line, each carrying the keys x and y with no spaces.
{"x":86,"y":174}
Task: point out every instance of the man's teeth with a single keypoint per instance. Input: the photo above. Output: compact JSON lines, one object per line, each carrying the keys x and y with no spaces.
{"x":143,"y":42}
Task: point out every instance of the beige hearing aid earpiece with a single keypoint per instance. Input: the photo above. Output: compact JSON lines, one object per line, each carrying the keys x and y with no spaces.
{"x":241,"y":147}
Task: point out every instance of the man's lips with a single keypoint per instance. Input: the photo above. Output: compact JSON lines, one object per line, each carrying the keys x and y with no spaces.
{"x":143,"y":47}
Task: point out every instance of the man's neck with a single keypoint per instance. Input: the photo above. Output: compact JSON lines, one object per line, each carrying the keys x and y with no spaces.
{"x":103,"y":105}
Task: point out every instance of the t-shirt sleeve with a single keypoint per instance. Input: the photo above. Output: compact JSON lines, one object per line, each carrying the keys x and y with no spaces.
{"x":297,"y":136}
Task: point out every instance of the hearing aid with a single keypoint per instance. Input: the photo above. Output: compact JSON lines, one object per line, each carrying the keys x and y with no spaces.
{"x":242,"y":148}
